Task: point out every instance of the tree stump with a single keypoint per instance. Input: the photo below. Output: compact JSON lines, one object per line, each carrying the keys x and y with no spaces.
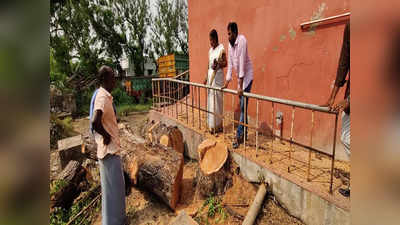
{"x":213,"y":175}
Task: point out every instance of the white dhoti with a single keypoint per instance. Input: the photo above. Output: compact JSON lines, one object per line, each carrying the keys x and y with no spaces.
{"x":215,"y":98}
{"x":345,"y":137}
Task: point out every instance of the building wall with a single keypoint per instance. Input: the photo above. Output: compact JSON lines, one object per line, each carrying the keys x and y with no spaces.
{"x":288,"y":63}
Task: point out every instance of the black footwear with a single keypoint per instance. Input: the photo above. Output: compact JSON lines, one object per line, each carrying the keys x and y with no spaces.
{"x":237,"y":142}
{"x":345,"y":192}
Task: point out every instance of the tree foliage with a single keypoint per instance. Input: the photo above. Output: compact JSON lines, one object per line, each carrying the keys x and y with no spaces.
{"x":85,"y":34}
{"x":170,"y":28}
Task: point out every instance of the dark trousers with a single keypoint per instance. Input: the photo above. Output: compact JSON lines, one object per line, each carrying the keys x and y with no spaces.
{"x":243,"y":114}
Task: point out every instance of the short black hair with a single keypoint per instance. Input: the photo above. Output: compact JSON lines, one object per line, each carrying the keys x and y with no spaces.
{"x":233,"y":27}
{"x":104,"y":72}
{"x":214,"y":35}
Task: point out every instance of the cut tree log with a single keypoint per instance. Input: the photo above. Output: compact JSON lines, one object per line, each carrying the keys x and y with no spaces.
{"x":89,"y":148}
{"x":255,"y":206}
{"x":214,"y":158}
{"x":213,"y":175}
{"x":70,"y":149}
{"x":158,"y":169}
{"x":70,"y":181}
{"x":204,"y":146}
{"x":170,"y":136}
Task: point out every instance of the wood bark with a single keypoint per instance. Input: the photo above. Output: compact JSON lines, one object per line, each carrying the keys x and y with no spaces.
{"x":74,"y":179}
{"x":158,"y":169}
{"x":151,"y":166}
{"x":158,"y":133}
{"x":213,"y":175}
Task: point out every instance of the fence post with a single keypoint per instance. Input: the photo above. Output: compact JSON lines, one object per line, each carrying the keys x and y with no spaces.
{"x":309,"y":151}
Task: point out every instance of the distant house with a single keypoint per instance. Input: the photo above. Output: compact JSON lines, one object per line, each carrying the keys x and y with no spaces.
{"x":149,"y":67}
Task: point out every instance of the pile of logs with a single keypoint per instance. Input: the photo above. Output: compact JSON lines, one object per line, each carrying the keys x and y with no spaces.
{"x":156,"y":165}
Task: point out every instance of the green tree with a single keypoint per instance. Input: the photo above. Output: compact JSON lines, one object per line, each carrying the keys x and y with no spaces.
{"x":169,"y":27}
{"x":136,"y":19}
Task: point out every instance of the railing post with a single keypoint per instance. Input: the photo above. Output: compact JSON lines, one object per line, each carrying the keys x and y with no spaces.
{"x":257,"y":128}
{"x":159,"y":96}
{"x":245,"y":124}
{"x":192,"y":97}
{"x":180,"y":98}
{"x":170,"y":107}
{"x":176,"y":101}
{"x":152,"y":94}
{"x":291,"y":140}
{"x":198,"y":95}
{"x":333,"y":153}
{"x":223,"y":115}
{"x":215,"y":111}
{"x":187,"y":113}
{"x":233,"y":116}
{"x":273,"y":132}
{"x":309,"y":151}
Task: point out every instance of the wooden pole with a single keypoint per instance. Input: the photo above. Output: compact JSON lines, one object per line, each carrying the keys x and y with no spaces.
{"x":255,"y":206}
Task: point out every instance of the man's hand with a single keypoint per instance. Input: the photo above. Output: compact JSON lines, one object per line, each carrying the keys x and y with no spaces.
{"x":98,"y":127}
{"x":215,"y":65}
{"x":205,"y":82}
{"x":240,"y":92}
{"x":224,"y":86}
{"x":340,"y":106}
{"x":106,"y":139}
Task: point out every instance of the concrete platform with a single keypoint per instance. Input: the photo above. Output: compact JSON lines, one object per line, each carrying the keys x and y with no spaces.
{"x":314,"y":206}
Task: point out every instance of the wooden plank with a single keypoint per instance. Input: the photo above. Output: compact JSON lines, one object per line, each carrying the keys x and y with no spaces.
{"x":70,"y":142}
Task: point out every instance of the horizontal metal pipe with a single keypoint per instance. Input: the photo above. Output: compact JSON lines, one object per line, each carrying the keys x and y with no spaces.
{"x":307,"y":24}
{"x":177,"y":76}
{"x":256,"y":96}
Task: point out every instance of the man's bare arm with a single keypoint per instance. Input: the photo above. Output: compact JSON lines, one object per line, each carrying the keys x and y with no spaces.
{"x":240,"y":90}
{"x":98,"y":127}
{"x":332,"y":97}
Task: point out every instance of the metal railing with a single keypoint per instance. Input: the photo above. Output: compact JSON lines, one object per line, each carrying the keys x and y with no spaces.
{"x":169,"y":93}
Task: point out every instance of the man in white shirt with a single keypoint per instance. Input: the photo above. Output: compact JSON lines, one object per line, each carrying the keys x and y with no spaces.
{"x":108,"y":147}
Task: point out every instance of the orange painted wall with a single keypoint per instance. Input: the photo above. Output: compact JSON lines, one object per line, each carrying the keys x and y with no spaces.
{"x":288,"y":63}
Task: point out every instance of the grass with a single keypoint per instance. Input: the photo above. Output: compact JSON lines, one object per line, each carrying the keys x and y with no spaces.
{"x":214,"y":208}
{"x":123,"y":110}
{"x":57,"y":185}
{"x":61,"y":216}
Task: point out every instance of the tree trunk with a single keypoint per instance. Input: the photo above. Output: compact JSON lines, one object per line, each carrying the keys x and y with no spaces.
{"x":158,"y":169}
{"x":213,"y":174}
{"x":169,"y":136}
{"x":154,"y":167}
